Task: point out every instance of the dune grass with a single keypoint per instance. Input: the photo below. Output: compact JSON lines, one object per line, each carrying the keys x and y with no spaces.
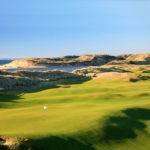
{"x":94,"y":115}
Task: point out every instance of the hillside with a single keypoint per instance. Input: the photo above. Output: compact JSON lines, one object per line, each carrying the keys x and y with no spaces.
{"x":84,"y":60}
{"x":138,"y":59}
{"x":94,"y":71}
{"x":27,"y":80}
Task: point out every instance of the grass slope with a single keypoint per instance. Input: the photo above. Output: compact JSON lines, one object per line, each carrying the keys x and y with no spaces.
{"x":94,"y":115}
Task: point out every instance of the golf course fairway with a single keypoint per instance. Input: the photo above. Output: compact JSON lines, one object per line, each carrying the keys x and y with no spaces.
{"x":92,"y":115}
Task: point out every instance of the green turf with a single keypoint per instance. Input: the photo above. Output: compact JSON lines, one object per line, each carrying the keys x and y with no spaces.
{"x":94,"y":115}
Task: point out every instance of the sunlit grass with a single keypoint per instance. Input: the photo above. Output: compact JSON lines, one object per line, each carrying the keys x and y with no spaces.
{"x":77,"y":111}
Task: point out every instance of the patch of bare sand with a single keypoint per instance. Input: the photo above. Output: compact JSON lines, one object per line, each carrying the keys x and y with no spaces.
{"x":118,"y":76}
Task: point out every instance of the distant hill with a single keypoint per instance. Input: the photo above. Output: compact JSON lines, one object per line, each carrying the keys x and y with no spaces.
{"x":83,"y":60}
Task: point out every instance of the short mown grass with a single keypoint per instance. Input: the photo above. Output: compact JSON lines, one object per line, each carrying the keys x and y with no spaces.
{"x":94,"y":115}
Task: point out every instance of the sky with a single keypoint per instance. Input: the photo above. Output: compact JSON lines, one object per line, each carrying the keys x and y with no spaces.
{"x":48,"y":28}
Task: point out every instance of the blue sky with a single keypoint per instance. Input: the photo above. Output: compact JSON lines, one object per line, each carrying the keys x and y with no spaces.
{"x":47,"y":28}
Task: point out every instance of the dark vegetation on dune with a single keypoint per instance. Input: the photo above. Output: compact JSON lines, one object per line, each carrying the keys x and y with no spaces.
{"x":27,"y":80}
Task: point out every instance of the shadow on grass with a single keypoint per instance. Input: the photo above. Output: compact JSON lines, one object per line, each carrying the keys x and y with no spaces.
{"x":120,"y":128}
{"x":143,"y":94}
{"x":65,"y":85}
{"x":45,"y":87}
{"x":55,"y":143}
{"x":116,"y":129}
{"x":6,"y":97}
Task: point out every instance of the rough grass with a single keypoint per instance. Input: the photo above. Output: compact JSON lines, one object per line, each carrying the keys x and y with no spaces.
{"x":94,"y":115}
{"x":24,"y":80}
